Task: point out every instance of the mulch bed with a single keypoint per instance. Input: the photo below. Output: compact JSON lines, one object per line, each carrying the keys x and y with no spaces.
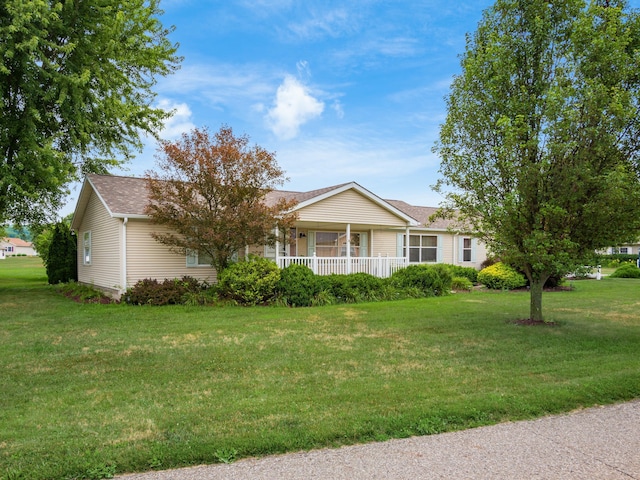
{"x":78,"y":299}
{"x":527,"y":322}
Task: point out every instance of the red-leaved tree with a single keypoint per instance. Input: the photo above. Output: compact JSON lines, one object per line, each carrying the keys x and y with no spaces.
{"x":213,"y":195}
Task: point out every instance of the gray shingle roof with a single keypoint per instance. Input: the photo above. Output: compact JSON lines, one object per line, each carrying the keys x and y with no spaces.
{"x":129,"y":196}
{"x":421,"y":214}
{"x":122,"y":195}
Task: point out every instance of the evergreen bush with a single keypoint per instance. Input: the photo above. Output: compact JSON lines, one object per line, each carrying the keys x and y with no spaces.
{"x":62,"y":257}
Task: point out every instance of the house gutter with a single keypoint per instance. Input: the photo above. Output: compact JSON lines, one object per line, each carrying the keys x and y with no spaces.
{"x":123,"y":281}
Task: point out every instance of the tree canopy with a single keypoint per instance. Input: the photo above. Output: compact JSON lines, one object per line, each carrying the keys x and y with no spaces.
{"x":541,"y":143}
{"x":213,"y":194}
{"x":76,"y":81}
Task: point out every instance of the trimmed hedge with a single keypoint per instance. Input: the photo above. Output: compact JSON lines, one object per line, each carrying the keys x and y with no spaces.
{"x":501,"y":276}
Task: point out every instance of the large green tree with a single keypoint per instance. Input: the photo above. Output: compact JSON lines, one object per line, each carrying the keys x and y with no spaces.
{"x":76,"y":79}
{"x":541,"y":141}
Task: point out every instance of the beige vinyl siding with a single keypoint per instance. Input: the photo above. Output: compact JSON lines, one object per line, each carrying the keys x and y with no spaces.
{"x":481,"y":255}
{"x":147,"y":258}
{"x":348,"y":207}
{"x":384,"y":243}
{"x":449,"y":246}
{"x":104,"y":270}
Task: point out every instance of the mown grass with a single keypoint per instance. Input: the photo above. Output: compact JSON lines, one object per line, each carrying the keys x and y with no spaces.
{"x":92,"y":390}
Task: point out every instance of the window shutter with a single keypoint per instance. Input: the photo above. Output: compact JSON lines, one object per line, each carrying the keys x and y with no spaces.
{"x":460,"y":249}
{"x":440,"y":255}
{"x":311,"y":243}
{"x":364,"y":245}
{"x":474,"y":243}
{"x":400,"y":245}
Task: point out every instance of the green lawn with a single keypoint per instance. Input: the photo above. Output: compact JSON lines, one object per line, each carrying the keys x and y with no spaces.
{"x":91,"y":390}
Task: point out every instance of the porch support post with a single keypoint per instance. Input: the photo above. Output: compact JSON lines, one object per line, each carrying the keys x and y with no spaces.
{"x":277,"y":246}
{"x":348,"y":248}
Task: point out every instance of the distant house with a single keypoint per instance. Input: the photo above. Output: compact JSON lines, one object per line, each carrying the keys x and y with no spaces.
{"x":340,"y":229}
{"x":17,"y":246}
{"x":628,"y":249}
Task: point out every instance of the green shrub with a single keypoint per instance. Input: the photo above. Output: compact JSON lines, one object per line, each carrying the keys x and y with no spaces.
{"x":431,"y":280}
{"x":169,"y":292}
{"x":365,"y":287}
{"x":500,"y":276}
{"x":250,"y":282}
{"x":467,"y":272}
{"x":298,"y":285}
{"x":461,"y":283}
{"x":352,"y":288}
{"x":627,"y":270}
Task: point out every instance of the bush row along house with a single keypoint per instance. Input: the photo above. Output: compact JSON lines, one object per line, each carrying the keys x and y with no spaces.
{"x":340,"y":229}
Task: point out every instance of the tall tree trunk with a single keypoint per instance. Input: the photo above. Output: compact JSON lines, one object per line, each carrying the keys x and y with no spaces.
{"x":535,"y":312}
{"x":536,"y":283}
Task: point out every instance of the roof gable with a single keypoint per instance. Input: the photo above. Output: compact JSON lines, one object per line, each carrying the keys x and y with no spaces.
{"x":316,"y":196}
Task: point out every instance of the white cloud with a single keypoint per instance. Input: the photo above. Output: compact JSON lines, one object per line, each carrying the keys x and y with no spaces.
{"x":294,"y":106}
{"x":332,"y":23}
{"x":179,"y":123}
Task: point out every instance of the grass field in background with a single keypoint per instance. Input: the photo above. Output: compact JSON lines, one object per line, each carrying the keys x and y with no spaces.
{"x":87,"y":391}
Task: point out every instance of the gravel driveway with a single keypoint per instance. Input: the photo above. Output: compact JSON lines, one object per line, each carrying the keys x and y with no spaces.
{"x":595,"y":443}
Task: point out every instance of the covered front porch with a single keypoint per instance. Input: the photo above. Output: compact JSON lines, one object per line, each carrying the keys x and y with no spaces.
{"x":332,"y":248}
{"x":345,"y":229}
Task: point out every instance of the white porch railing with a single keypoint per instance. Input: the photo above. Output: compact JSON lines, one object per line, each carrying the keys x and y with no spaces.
{"x":377,"y":266}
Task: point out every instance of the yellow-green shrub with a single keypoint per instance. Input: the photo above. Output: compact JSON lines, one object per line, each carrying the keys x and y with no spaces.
{"x":501,"y":276}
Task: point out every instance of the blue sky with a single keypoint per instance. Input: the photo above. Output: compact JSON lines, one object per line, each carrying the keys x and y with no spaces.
{"x":340,"y":91}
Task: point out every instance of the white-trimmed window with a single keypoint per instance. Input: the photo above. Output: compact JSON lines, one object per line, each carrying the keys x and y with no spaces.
{"x":423,"y":248}
{"x":197,"y":259}
{"x":9,"y":248}
{"x":334,"y":244}
{"x":624,"y":250}
{"x":86,"y":248}
{"x":466,"y":249}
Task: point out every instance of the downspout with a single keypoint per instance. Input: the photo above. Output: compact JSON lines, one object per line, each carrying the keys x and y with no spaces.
{"x":123,"y":284}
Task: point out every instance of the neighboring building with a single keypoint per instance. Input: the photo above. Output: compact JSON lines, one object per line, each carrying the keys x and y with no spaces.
{"x":628,"y":249}
{"x":17,"y":246}
{"x":340,"y":229}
